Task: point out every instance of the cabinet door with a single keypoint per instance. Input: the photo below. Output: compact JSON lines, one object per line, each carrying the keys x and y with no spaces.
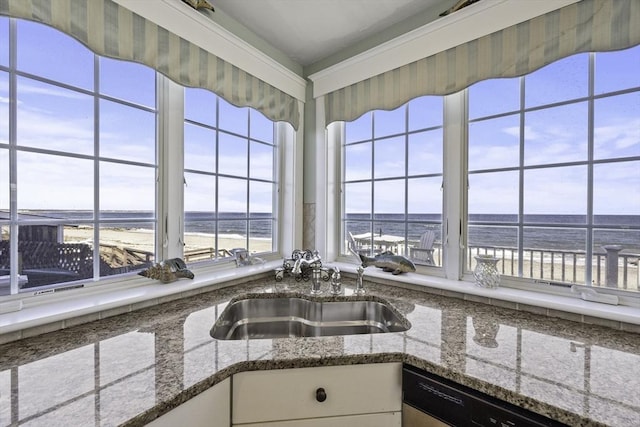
{"x":389,"y":419}
{"x":289,"y":394}
{"x":211,"y":408}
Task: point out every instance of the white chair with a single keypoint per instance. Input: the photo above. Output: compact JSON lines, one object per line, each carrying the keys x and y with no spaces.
{"x":353,"y":246}
{"x":360,"y":249}
{"x":424,"y":251}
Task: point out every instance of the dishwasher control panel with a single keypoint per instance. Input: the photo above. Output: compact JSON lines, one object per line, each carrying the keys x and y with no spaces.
{"x":458,"y":405}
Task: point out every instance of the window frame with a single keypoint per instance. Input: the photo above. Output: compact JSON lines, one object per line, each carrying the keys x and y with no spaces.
{"x":455,"y":209}
{"x":403,"y":137}
{"x":246,"y":176}
{"x":550,"y":285}
{"x":169,"y":179}
{"x":13,"y":148}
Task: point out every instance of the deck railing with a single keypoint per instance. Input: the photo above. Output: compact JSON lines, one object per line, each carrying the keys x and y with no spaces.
{"x":562,"y":265}
{"x":557,"y":265}
{"x":205,"y":253}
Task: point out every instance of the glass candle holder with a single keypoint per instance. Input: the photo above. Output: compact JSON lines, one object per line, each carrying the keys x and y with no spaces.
{"x":486,"y":272}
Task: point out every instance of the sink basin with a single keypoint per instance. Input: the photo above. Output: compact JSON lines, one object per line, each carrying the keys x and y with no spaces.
{"x":287,"y":317}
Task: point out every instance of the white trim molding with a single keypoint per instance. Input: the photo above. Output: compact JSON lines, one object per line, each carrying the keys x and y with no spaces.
{"x":465,"y":25}
{"x":191,"y":25}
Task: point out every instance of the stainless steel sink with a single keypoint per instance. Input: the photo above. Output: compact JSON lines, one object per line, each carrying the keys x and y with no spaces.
{"x":286,"y":317}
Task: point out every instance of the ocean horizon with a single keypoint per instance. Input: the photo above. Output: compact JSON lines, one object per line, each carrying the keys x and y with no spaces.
{"x":540,"y":231}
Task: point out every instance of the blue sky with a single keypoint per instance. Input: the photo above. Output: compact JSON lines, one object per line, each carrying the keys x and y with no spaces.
{"x":52,"y":117}
{"x":553,"y":135}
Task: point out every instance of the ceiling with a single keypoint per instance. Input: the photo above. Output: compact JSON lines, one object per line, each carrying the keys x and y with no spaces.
{"x":308,"y":31}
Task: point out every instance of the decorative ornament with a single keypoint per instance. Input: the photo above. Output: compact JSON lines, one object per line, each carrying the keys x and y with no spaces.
{"x":200,"y":4}
{"x":168,"y":271}
{"x":486,"y":273}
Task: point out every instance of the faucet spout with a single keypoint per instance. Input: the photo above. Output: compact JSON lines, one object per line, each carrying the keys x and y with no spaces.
{"x":305,"y":262}
{"x":296,"y":266}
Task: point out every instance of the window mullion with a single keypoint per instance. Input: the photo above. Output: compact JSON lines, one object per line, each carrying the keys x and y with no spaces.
{"x":373,"y":174}
{"x":170,"y":172}
{"x":13,"y":159}
{"x":406,"y":180}
{"x":521,"y":118}
{"x":248,"y":183}
{"x":96,"y":166}
{"x":588,"y":265}
{"x":454,"y":178}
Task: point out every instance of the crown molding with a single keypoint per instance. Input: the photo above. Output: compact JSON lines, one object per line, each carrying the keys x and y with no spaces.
{"x":180,"y":19}
{"x":470,"y":23}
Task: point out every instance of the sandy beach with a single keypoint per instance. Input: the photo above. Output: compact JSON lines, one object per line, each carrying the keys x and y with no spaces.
{"x":143,"y":240}
{"x":199,"y":246}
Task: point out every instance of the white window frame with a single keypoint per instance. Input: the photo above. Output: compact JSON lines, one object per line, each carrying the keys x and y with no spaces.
{"x":328,"y":142}
{"x":403,"y":175}
{"x":125,"y":291}
{"x":451,"y":277}
{"x":548,"y":285}
{"x":13,"y":148}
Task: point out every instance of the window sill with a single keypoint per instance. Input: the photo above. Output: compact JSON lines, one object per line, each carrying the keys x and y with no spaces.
{"x":50,"y":312}
{"x":566,"y":307}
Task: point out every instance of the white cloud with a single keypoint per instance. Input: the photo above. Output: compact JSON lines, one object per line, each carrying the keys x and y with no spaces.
{"x":619,"y":135}
{"x":512,"y":131}
{"x":48,"y":91}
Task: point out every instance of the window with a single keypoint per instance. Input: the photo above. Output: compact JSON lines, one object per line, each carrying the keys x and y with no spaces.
{"x":393,"y":179}
{"x":554,"y":171}
{"x":230,"y":175}
{"x":79,"y":153}
{"x":79,"y":163}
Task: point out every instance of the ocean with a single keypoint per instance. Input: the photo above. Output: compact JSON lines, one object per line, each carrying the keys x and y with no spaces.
{"x":562,"y":232}
{"x":260,"y":224}
{"x":566,"y":232}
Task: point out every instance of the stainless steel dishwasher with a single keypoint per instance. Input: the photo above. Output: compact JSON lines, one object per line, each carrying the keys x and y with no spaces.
{"x":433,"y":401}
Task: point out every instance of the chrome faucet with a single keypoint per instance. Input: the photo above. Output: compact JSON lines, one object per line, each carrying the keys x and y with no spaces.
{"x":359,"y":286}
{"x":313,"y":261}
{"x":336,"y":285}
{"x":316,"y":279}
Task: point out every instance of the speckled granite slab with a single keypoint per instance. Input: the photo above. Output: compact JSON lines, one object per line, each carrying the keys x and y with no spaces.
{"x":130,"y":369}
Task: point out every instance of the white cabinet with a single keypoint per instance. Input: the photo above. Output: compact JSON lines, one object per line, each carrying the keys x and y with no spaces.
{"x":211,"y":408}
{"x":330,"y":396}
{"x":387,"y":419}
{"x":352,"y":395}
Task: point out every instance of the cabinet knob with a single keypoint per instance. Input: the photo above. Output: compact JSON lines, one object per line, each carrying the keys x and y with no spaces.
{"x":321,"y":395}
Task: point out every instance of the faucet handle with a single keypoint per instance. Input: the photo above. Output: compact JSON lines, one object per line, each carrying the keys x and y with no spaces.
{"x":359,"y":285}
{"x":336,"y":285}
{"x":316,"y":279}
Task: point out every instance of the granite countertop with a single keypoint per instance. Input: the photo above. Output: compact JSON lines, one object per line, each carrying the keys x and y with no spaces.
{"x":131,"y":368}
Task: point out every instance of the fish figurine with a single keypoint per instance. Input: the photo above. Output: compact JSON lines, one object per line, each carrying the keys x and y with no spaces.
{"x":390,"y":262}
{"x":168,"y":271}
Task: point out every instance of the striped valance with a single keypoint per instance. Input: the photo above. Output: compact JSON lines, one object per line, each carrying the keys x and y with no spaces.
{"x":112,"y":30}
{"x":585,"y":26}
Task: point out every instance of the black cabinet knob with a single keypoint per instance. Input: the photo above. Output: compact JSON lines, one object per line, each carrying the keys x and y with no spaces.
{"x":321,"y":395}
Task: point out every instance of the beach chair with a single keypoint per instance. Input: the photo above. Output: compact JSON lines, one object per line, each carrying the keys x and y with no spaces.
{"x":424,"y":251}
{"x":352,"y":246}
{"x":362,"y":249}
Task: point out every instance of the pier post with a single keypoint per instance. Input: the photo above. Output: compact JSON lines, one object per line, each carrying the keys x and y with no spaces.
{"x":612,"y":265}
